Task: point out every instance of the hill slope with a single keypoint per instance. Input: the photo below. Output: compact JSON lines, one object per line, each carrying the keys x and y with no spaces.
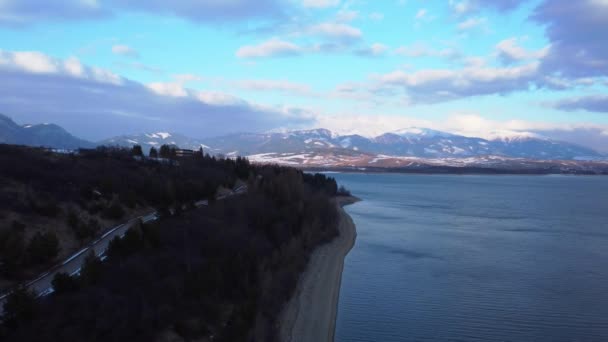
{"x":47,"y":135}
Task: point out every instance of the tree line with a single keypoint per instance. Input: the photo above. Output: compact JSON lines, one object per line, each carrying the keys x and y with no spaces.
{"x":79,"y":190}
{"x":225,"y":270}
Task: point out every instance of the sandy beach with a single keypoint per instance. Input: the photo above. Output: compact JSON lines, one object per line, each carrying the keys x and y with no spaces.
{"x":310,"y":315}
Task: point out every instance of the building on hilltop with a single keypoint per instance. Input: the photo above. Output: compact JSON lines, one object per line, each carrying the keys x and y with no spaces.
{"x":182,"y":153}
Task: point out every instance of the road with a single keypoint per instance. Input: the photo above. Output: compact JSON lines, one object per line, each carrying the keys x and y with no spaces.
{"x":42,"y":286}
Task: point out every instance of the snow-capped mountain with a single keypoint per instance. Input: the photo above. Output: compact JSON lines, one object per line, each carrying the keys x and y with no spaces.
{"x":409,"y":142}
{"x":322,"y":160}
{"x":412,"y":142}
{"x":420,"y":133}
{"x":156,"y":139}
{"x":322,"y":147}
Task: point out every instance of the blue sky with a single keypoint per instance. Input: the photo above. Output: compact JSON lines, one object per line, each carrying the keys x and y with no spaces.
{"x":107,"y":67}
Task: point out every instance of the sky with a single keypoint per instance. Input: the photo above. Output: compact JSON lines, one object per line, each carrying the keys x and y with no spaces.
{"x":102,"y":68}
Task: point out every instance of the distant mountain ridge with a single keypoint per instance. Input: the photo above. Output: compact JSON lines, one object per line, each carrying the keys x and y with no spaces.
{"x":46,"y":135}
{"x":156,"y":140}
{"x":409,"y":142}
{"x":320,"y":144}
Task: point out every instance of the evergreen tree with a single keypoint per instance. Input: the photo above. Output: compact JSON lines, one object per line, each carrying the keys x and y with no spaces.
{"x":12,"y":250}
{"x":91,"y":270}
{"x":137,"y":151}
{"x":165,"y":151}
{"x":20,"y":307}
{"x":64,"y":283}
{"x":43,"y":247}
{"x":153,"y":153}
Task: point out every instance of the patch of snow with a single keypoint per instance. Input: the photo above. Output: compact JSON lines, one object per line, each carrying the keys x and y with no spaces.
{"x":417,"y":132}
{"x":513,"y":136}
{"x":345,"y":143}
{"x":159,"y":135}
{"x":458,"y":150}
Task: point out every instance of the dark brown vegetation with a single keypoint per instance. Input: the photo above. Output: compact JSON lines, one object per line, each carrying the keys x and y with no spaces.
{"x":47,"y":198}
{"x":224,"y":270}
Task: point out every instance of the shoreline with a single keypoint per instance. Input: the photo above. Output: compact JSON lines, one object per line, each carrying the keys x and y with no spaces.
{"x":310,"y":314}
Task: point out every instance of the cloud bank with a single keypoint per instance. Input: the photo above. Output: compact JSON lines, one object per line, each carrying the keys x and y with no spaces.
{"x":96,"y":104}
{"x":593,"y":103}
{"x":27,"y":12}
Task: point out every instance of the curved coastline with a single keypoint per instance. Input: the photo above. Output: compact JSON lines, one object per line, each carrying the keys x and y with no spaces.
{"x":310,"y":315}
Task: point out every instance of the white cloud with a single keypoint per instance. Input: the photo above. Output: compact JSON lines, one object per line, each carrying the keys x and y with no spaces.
{"x":168,"y":89}
{"x":509,"y":50}
{"x":219,"y":98}
{"x":269,"y":48}
{"x":461,"y":7}
{"x":374,"y":50}
{"x":92,"y":102}
{"x":320,"y":3}
{"x":35,"y":62}
{"x":420,"y":49}
{"x":471,"y":23}
{"x":337,"y":31}
{"x":105,"y":76}
{"x":421,"y":13}
{"x":591,"y":103}
{"x":18,"y":13}
{"x":185,"y":78}
{"x":435,"y":85}
{"x":376,"y":16}
{"x":283,"y":86}
{"x":378,"y":49}
{"x":125,"y":50}
{"x":414,"y":50}
{"x":74,"y":67}
{"x":345,"y":16}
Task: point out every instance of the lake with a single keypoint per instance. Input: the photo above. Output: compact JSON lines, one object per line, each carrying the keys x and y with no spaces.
{"x":476,"y":258}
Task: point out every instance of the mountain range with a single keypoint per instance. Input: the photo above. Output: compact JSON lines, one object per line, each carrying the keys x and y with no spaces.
{"x":322,"y":147}
{"x":410,"y":142}
{"x":47,"y":135}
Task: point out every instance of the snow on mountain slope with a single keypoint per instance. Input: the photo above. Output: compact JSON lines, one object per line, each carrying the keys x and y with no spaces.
{"x":512,"y":136}
{"x":157,"y":139}
{"x":362,"y":162}
{"x":418,"y":133}
{"x":408,"y":142}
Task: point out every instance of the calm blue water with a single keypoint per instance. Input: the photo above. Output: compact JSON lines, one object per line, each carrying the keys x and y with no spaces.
{"x":476,"y":258}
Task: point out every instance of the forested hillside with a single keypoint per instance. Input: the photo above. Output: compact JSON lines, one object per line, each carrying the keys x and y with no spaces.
{"x":220,"y":273}
{"x":51,"y":204}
